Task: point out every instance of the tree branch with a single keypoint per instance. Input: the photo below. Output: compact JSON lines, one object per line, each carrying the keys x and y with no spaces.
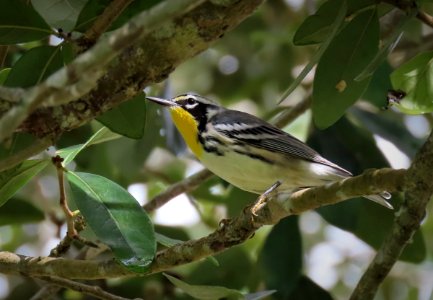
{"x":418,"y":188}
{"x":410,"y":5}
{"x":232,"y":233}
{"x":188,"y":184}
{"x":79,"y":77}
{"x":164,"y":47}
{"x":91,"y":290}
{"x":102,"y":23}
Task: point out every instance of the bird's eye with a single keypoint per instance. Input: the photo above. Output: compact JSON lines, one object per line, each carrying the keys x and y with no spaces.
{"x":190,"y":101}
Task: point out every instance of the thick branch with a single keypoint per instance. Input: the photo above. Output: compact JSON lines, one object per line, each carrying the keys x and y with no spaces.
{"x":418,"y":188}
{"x":149,"y":61}
{"x":232,"y":233}
{"x":81,"y":76}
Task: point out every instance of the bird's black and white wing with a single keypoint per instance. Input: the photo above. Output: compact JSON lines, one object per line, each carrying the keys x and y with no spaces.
{"x":250,"y":130}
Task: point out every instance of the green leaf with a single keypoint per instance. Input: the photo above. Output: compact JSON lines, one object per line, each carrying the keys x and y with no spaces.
{"x":316,"y":28}
{"x":13,"y":179}
{"x":102,"y":135}
{"x":4,"y":74}
{"x":341,"y":12}
{"x":379,"y":86}
{"x":259,"y":295}
{"x":205,"y":291}
{"x":127,"y":119}
{"x":34,"y":66}
{"x":166,"y":241}
{"x":415,"y":78}
{"x":116,"y":218}
{"x":349,"y":53}
{"x":308,"y":289}
{"x":354,"y":148}
{"x":19,"y":211}
{"x":20,"y":23}
{"x":59,"y":13}
{"x":281,"y":257}
{"x":391,"y":127}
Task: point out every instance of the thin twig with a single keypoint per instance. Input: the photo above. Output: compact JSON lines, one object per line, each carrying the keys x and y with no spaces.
{"x":3,"y":54}
{"x":409,"y":5}
{"x":418,"y":187}
{"x":425,"y":18}
{"x":94,"y":291}
{"x":234,"y":232}
{"x":35,"y":148}
{"x":188,"y":184}
{"x":103,"y":22}
{"x":289,"y":115}
{"x":69,"y":215}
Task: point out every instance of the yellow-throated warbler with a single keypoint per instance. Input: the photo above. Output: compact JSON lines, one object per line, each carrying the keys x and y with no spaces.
{"x":249,"y":152}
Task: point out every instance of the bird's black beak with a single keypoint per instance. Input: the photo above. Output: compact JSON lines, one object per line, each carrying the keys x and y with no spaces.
{"x":162,"y":101}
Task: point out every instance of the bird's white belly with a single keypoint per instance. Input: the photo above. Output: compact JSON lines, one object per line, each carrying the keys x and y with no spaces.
{"x":257,"y":176}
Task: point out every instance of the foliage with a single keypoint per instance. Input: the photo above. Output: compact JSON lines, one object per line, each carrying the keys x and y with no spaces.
{"x":135,"y":149}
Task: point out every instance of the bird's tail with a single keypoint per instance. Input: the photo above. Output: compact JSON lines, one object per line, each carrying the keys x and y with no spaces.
{"x":381,"y":199}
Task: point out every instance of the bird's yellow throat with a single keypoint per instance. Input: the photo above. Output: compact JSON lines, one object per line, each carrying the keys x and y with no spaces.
{"x":187,"y":126}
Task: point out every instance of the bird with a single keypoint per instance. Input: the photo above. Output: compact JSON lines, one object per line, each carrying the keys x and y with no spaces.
{"x":249,"y":152}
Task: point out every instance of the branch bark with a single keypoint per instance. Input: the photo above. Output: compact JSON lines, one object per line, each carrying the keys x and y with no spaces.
{"x":80,"y":76}
{"x":418,"y":189}
{"x":149,"y":61}
{"x":233,"y":232}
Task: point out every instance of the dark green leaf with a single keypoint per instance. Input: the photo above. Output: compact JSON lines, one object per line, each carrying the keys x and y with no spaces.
{"x":19,"y":211}
{"x":19,"y":142}
{"x":348,"y":54}
{"x":316,"y":28}
{"x":390,"y":126}
{"x":102,"y":135}
{"x":94,"y":8}
{"x":339,"y":19}
{"x":20,"y":23}
{"x":205,"y":292}
{"x":68,"y":53}
{"x":13,"y":179}
{"x":379,"y":86}
{"x":259,"y":295}
{"x":281,"y":257}
{"x":34,"y":66}
{"x":128,"y":118}
{"x":354,"y":148}
{"x":116,"y":218}
{"x":237,"y":260}
{"x":414,"y":78}
{"x":4,"y":74}
{"x":166,"y":241}
{"x":59,"y":13}
{"x":309,"y":290}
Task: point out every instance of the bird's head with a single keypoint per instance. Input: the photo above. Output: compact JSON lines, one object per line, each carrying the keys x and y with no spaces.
{"x":190,"y":108}
{"x":190,"y":114}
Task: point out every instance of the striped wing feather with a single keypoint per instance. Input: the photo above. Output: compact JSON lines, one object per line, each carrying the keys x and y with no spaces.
{"x":250,"y":130}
